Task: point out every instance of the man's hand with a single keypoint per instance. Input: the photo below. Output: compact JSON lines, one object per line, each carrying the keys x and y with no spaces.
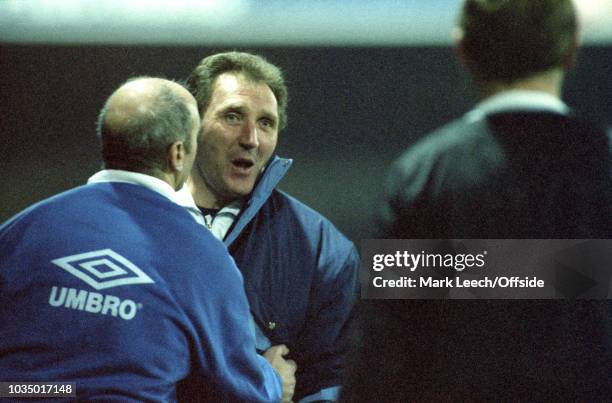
{"x":286,"y":369}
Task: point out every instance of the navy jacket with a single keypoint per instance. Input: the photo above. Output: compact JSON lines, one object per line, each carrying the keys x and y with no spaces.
{"x":521,"y":174}
{"x":301,"y":279}
{"x":512,"y":175}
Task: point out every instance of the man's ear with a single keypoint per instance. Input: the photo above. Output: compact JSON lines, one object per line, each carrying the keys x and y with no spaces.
{"x":464,"y":60}
{"x":572,"y":53}
{"x":176,"y":156}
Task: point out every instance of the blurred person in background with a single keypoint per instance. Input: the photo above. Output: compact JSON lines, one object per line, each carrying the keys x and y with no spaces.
{"x":522,"y":165}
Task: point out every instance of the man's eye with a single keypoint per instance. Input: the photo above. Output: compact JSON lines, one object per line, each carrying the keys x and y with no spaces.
{"x":232,"y":118}
{"x":267,"y":123}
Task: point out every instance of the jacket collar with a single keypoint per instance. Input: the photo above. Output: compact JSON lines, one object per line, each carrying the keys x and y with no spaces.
{"x":275,"y":171}
{"x":518,"y":100}
{"x":135,"y":178}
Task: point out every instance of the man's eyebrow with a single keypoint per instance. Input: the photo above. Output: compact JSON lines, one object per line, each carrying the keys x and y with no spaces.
{"x":233,"y":107}
{"x":269,"y":115}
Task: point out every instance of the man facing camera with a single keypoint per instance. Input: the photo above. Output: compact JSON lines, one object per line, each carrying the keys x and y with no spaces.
{"x":519,"y":165}
{"x":117,"y":288}
{"x":300,"y":272}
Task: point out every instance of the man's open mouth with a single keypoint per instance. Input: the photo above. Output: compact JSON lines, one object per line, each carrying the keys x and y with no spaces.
{"x":243,"y":163}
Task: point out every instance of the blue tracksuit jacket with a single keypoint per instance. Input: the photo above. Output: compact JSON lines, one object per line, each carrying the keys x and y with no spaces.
{"x":116,"y":288}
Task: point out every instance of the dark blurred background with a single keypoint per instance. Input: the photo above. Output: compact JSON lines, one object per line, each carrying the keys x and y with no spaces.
{"x":355,"y":101}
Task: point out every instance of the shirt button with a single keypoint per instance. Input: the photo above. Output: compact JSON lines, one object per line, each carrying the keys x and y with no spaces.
{"x":271,"y":325}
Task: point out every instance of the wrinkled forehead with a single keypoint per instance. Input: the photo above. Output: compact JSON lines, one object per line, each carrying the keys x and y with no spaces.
{"x":229,"y":88}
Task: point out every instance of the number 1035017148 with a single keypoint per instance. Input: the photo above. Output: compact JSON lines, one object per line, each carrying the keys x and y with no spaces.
{"x":37,"y":389}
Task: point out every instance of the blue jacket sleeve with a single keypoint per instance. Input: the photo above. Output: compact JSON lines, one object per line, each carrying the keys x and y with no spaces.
{"x":225,"y":356}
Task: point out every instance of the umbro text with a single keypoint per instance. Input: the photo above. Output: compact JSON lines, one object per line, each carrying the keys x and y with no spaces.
{"x":93,"y":302}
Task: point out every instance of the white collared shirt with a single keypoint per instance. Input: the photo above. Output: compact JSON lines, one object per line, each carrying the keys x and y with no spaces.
{"x":220,"y":224}
{"x":517,"y":100}
{"x":150,"y":182}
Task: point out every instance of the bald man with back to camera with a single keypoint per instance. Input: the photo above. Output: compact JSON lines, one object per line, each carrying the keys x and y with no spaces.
{"x":519,"y":165}
{"x":115,"y":287}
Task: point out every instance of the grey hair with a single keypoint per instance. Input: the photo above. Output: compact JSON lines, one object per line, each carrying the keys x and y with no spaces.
{"x":139,"y":141}
{"x":253,"y":67}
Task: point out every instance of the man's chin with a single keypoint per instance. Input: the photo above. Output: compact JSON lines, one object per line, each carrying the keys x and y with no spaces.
{"x":240,"y":190}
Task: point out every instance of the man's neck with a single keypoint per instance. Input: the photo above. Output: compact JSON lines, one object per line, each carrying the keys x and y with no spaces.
{"x":168,"y":177}
{"x":201,"y":193}
{"x":549,"y":82}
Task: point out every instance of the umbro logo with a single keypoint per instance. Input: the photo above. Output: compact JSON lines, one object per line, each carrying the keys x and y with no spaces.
{"x":100,"y":269}
{"x":103,"y":269}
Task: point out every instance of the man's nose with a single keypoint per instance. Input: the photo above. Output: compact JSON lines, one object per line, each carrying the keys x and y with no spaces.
{"x":249,"y":137}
